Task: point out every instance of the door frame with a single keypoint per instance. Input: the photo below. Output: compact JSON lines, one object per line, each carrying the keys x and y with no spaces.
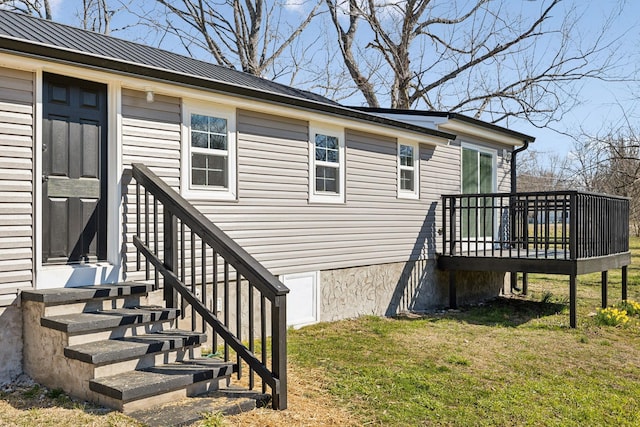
{"x":110,"y":271}
{"x":470,"y":244}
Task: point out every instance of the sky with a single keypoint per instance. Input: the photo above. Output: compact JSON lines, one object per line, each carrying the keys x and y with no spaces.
{"x":604,"y":104}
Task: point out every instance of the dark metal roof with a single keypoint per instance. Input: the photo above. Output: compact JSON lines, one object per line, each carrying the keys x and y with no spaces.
{"x":36,"y":37}
{"x":452,"y":116}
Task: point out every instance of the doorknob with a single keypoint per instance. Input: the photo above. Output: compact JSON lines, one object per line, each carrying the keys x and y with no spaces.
{"x":45,"y":178}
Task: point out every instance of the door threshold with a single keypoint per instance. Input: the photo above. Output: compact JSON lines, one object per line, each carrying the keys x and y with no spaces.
{"x":74,"y":275}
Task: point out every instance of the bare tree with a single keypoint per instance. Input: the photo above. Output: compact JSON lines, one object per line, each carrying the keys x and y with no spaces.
{"x":539,"y":171}
{"x":93,"y":15}
{"x":249,"y":35}
{"x":609,"y":162}
{"x":96,"y":15}
{"x":40,"y":8}
{"x":476,"y":57}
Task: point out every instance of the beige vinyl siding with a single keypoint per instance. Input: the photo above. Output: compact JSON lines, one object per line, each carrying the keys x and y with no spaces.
{"x":16,"y":180}
{"x":274,"y":221}
{"x":150,"y":135}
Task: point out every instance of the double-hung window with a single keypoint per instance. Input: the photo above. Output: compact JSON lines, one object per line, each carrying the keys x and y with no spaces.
{"x":326,"y":165}
{"x":209,"y":160}
{"x":408,"y":174}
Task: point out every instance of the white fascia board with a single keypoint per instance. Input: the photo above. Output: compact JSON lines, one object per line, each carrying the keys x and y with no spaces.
{"x":458,"y":127}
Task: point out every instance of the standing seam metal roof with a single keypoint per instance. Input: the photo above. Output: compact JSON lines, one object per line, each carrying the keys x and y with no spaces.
{"x":75,"y":39}
{"x":28,"y":35}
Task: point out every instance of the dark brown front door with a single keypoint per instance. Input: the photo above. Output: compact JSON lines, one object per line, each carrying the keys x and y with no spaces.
{"x":74,"y":155}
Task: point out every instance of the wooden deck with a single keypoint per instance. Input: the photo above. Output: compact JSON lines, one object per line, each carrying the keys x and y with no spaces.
{"x":569,"y":233}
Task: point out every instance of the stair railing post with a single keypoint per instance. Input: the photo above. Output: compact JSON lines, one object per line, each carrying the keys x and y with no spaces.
{"x":170,"y":241}
{"x":279,"y":349}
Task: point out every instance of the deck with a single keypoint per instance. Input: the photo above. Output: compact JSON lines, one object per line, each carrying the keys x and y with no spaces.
{"x":565,"y":232}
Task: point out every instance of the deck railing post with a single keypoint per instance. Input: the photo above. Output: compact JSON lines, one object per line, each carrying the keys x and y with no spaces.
{"x":452,"y":226}
{"x":279,"y":350}
{"x":444,"y":225}
{"x":170,"y":248}
{"x":573,"y":226}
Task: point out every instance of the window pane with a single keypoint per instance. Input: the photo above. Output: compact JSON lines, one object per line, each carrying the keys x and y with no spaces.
{"x":217,"y":125}
{"x":326,"y":179}
{"x":218,"y":142}
{"x":486,"y":173}
{"x":332,"y":142}
{"x":332,"y":156}
{"x":198,"y":177}
{"x":469,"y":171}
{"x":406,"y":180}
{"x":199,"y":139}
{"x":199,"y":122}
{"x":321,"y":154}
{"x":406,"y":155}
{"x":209,"y":170}
{"x":321,"y":140}
{"x":327,"y":148}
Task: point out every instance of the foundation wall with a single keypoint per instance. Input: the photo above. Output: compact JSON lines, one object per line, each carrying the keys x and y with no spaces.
{"x":10,"y":341}
{"x":389,"y":289}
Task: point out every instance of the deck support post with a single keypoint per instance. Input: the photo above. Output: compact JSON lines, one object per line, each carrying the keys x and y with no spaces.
{"x":514,"y":281}
{"x":525,"y":283}
{"x":605,"y":283}
{"x":573,"y":285}
{"x":453,"y":300}
{"x":624,"y":283}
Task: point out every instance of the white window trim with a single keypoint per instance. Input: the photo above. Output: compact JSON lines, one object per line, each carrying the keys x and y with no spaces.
{"x":415,"y":193}
{"x":320,"y":197}
{"x":494,"y":162}
{"x":212,"y":193}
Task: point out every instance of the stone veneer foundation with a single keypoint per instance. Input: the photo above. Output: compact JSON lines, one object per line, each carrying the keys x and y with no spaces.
{"x":389,"y":289}
{"x":10,"y":340}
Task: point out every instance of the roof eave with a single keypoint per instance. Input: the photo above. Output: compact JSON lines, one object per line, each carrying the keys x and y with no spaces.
{"x":67,"y":56}
{"x":454,"y":116}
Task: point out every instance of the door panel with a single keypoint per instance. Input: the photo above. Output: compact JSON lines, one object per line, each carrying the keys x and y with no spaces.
{"x":74,"y":170}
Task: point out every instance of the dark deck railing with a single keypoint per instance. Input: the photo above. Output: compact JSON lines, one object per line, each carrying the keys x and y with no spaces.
{"x":567,"y":225}
{"x":202,"y":265}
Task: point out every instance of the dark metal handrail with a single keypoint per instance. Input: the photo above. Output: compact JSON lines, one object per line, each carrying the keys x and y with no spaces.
{"x":566,"y":225}
{"x":180,"y":253}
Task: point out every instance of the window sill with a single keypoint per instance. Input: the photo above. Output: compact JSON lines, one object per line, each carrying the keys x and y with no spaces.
{"x":209,"y":195}
{"x":408,"y":196}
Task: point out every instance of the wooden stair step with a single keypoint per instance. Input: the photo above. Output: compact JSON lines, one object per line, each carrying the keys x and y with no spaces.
{"x":85,"y":293}
{"x":156,"y":380}
{"x":127,"y":348}
{"x":78,"y":323}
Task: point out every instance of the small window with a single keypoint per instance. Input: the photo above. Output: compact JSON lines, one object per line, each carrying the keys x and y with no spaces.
{"x":209,"y":172}
{"x":408,"y":176}
{"x":326,"y":183}
{"x":209,"y":151}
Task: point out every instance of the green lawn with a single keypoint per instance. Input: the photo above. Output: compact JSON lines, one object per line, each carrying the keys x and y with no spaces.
{"x":511,"y":362}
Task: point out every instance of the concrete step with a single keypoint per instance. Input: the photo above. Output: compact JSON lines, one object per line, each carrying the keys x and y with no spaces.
{"x":126,"y":348}
{"x":86,"y":323}
{"x":131,"y":391}
{"x":227,"y":401}
{"x":55,"y":302}
{"x":85,"y":293}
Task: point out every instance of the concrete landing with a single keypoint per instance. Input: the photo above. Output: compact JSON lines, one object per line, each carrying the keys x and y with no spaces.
{"x":190,"y":410}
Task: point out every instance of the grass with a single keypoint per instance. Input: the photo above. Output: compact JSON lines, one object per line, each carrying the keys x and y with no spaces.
{"x":511,"y":362}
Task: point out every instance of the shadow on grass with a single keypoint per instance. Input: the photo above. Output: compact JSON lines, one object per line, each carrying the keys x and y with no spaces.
{"x":502,"y":311}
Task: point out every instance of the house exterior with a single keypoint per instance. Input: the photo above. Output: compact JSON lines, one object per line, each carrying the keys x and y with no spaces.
{"x":342,"y":204}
